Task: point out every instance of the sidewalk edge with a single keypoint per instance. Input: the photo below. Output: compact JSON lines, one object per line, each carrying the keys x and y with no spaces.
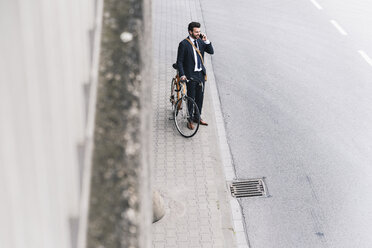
{"x":226,"y":158}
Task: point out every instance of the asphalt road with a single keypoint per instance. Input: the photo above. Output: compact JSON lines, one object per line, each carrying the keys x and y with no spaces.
{"x":295,"y":83}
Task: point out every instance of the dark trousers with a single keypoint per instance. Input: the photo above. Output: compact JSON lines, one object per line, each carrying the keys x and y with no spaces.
{"x":195,"y":90}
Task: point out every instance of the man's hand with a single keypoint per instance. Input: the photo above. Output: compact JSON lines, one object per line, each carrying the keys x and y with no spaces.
{"x":183,"y":78}
{"x":204,"y":37}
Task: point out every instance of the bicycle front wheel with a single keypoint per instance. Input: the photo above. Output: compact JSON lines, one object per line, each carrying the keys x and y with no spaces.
{"x":185,"y":112}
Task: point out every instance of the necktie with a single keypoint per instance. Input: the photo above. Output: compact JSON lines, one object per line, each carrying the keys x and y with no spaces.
{"x":197,"y":55}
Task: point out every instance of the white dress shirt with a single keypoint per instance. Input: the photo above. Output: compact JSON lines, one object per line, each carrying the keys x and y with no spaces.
{"x":195,"y":58}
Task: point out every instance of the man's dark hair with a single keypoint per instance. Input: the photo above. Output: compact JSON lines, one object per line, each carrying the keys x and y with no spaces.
{"x":193,"y":25}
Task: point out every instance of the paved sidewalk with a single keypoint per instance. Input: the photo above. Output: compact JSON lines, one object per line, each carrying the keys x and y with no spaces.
{"x":187,"y":172}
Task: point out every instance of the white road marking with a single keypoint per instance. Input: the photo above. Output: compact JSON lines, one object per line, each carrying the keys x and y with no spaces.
{"x":338,"y":27}
{"x":365,"y":57}
{"x":316,"y":4}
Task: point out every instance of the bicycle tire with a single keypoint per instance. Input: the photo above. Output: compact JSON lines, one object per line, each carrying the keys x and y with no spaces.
{"x":172,"y":92}
{"x":182,"y":116}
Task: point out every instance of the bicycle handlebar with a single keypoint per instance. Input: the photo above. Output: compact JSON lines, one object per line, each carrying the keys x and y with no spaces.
{"x":191,"y":80}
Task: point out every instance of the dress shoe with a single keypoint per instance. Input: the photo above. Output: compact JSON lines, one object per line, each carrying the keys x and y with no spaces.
{"x":203,"y":123}
{"x":190,"y":125}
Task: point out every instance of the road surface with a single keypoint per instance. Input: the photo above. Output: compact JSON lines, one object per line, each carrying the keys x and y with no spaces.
{"x":295,"y":83}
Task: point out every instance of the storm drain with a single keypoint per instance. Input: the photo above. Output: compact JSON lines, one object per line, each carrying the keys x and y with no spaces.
{"x":248,"y":188}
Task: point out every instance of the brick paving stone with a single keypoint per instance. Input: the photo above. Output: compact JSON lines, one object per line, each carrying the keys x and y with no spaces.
{"x":171,"y":242}
{"x":170,"y":234}
{"x":206,"y":238}
{"x":182,"y":238}
{"x":207,"y":244}
{"x":183,"y":244}
{"x":159,"y":244}
{"x":158,"y":237}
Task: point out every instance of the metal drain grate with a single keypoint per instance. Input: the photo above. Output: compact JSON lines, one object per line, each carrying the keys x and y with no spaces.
{"x":248,"y":188}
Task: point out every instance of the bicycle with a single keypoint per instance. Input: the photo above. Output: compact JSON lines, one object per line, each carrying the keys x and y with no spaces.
{"x":185,"y":110}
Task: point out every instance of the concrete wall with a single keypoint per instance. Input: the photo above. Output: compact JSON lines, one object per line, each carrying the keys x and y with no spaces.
{"x":120,"y":212}
{"x":46,"y":54}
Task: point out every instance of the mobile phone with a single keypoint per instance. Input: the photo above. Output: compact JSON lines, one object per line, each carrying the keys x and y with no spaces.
{"x":201,"y":36}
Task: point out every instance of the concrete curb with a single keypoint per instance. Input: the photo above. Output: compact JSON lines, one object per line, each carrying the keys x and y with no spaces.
{"x":228,"y":168}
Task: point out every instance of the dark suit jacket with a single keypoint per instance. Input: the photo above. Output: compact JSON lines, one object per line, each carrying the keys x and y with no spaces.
{"x":185,"y":57}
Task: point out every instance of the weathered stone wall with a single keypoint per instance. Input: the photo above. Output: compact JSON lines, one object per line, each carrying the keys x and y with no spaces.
{"x":120,"y":212}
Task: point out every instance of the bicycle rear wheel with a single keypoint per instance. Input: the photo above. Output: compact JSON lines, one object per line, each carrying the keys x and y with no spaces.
{"x":182,"y":116}
{"x":173,"y":92}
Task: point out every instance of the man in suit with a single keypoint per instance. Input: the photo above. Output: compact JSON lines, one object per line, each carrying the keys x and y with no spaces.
{"x":190,"y":62}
